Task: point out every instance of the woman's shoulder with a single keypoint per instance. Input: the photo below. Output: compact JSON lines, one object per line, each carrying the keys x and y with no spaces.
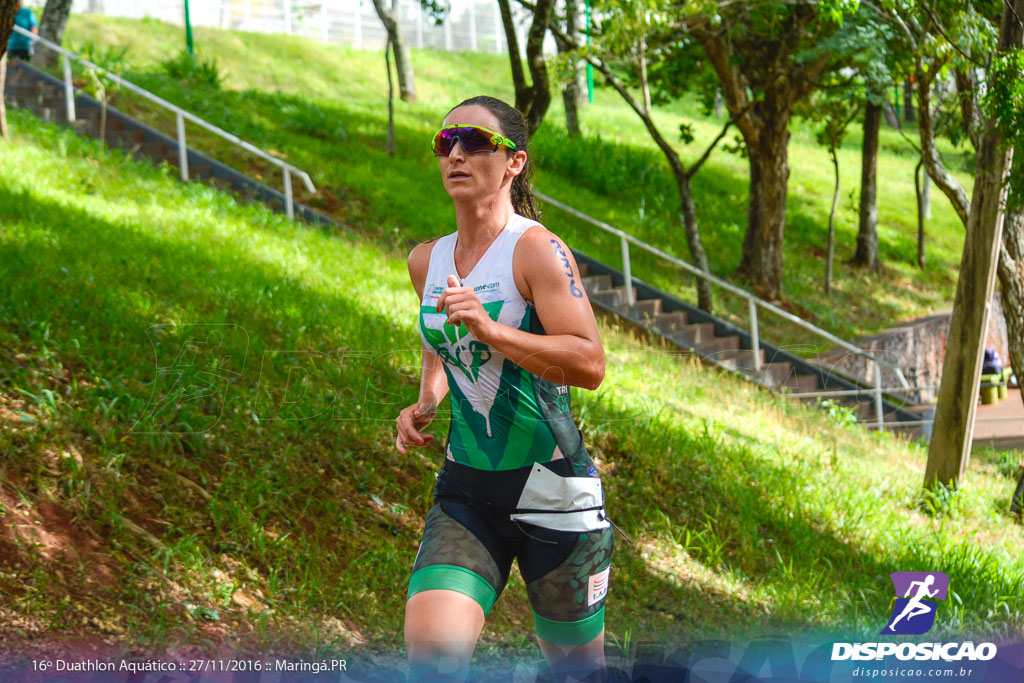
{"x":520,"y":224}
{"x":419,"y":261}
{"x":422,"y":251}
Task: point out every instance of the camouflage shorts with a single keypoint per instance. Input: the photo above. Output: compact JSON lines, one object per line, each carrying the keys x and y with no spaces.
{"x":468,"y":546}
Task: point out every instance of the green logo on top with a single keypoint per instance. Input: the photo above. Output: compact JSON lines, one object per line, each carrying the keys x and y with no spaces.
{"x":467,"y":358}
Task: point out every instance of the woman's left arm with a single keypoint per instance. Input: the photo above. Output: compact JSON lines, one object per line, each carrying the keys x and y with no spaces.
{"x":546,"y":273}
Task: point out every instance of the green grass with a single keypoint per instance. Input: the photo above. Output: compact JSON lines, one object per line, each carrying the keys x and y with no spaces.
{"x":277,"y":507}
{"x":324,"y":109}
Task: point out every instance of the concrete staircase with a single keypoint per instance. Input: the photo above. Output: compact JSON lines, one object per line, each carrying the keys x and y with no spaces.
{"x":656,"y":315}
{"x":662,"y":318}
{"x":41,"y":93}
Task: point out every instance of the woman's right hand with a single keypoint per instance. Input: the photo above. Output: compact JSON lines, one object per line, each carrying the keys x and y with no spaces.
{"x":409,"y":423}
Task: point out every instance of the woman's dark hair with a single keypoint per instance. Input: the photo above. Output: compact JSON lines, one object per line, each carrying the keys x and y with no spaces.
{"x":512,"y":125}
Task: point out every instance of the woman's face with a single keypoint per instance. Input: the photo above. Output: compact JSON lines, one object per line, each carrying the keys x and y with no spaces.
{"x":478,"y":177}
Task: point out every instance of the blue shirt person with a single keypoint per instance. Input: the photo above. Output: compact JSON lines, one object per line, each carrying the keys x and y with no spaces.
{"x":20,"y":46}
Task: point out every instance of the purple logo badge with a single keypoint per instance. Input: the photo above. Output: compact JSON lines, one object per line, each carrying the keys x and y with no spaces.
{"x":913,"y":613}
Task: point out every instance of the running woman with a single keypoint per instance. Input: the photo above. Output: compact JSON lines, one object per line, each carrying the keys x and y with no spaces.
{"x":506,"y":328}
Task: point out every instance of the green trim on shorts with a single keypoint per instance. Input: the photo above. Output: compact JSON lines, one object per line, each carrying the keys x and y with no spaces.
{"x":569,"y":633}
{"x":453,"y":578}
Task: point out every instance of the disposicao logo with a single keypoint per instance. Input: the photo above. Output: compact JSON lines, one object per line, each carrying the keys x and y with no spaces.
{"x":913,"y":613}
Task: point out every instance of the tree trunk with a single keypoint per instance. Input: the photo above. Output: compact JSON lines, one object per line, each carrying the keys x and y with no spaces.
{"x":697,"y":253}
{"x":518,"y":79}
{"x":680,"y":172}
{"x":908,"y":101}
{"x":538,"y":97}
{"x":644,"y":86}
{"x":929,"y":151}
{"x":7,"y":12}
{"x":51,"y":27}
{"x":571,"y":90}
{"x":766,"y":210}
{"x":926,"y":196}
{"x":830,"y":257}
{"x":4,"y":133}
{"x":396,"y":36}
{"x":867,"y":234}
{"x":531,"y":100}
{"x":950,"y":448}
{"x":1011,"y":282}
{"x":920,"y":194}
{"x":391,"y":101}
{"x":571,"y":101}
{"x":890,"y":115}
{"x":760,"y":89}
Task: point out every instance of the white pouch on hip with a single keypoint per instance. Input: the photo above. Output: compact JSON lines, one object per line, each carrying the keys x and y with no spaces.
{"x":561,"y":503}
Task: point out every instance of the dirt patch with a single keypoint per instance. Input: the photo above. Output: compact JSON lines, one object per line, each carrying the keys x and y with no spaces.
{"x":47,"y":532}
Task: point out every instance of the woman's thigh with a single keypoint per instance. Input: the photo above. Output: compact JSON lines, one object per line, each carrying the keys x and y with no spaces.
{"x":441,"y":630}
{"x":568,"y":599}
{"x":442,"y":616}
{"x":460,"y":569}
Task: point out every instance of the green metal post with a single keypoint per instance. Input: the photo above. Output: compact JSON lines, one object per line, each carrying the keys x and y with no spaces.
{"x":590,"y":67}
{"x":188,"y":30}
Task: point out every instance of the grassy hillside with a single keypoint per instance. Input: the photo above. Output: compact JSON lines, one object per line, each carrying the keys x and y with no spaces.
{"x":324,"y":108}
{"x":269,"y":510}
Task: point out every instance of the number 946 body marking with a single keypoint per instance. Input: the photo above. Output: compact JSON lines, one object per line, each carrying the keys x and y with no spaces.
{"x":573,"y":289}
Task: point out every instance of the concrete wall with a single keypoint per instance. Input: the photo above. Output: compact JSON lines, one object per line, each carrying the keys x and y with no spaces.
{"x":918,"y":348}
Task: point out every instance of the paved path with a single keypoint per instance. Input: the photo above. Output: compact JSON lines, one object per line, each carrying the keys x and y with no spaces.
{"x":1005,"y":434}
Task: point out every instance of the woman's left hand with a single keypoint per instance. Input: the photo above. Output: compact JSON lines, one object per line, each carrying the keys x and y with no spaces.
{"x":464,"y":308}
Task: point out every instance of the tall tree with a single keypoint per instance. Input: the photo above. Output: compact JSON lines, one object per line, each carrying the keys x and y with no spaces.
{"x":952,"y":35}
{"x":400,"y":46}
{"x":1011,"y":278}
{"x":531,"y":100}
{"x":1005,"y":96}
{"x":611,"y":53}
{"x":8,"y":8}
{"x":836,"y":116}
{"x":867,"y":232}
{"x":767,"y":58}
{"x":51,"y":27}
{"x":571,"y":91}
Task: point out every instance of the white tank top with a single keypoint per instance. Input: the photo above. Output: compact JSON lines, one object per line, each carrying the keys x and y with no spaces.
{"x":503,"y":417}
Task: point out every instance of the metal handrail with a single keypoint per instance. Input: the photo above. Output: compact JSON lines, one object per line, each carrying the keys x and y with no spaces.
{"x":753,"y":301}
{"x":180,"y":116}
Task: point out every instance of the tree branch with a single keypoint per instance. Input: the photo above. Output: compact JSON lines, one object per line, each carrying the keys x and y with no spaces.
{"x":966,"y":89}
{"x":733,"y":88}
{"x":932,"y":160}
{"x":692,"y":171}
{"x":938,"y":26}
{"x":518,"y":79}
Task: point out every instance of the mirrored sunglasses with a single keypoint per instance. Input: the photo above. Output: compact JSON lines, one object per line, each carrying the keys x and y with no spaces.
{"x":474,"y":139}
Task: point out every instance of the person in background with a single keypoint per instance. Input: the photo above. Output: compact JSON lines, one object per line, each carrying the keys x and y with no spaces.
{"x":992,"y":364}
{"x":20,"y":46}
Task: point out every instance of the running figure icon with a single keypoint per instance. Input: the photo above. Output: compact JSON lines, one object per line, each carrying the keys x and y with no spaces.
{"x":914,"y":606}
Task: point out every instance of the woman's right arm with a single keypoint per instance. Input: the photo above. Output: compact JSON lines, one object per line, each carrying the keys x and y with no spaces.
{"x":433,"y":381}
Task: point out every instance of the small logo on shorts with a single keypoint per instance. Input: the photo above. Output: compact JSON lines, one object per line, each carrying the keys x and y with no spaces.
{"x":597,"y":586}
{"x":592,"y":471}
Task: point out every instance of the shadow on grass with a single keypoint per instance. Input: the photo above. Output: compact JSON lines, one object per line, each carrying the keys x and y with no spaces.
{"x":276,"y":481}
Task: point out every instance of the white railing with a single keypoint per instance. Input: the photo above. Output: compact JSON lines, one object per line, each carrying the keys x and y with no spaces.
{"x":625,"y":239}
{"x":180,"y":115}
